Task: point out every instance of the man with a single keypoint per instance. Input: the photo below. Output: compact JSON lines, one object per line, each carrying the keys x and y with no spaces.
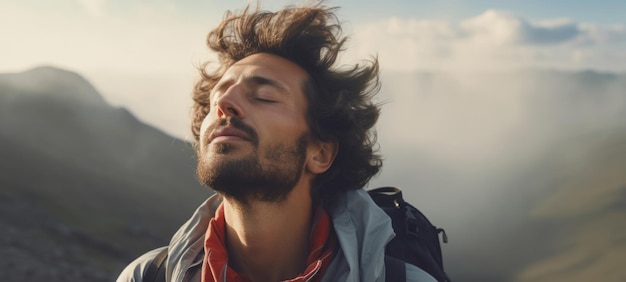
{"x":286,"y":141}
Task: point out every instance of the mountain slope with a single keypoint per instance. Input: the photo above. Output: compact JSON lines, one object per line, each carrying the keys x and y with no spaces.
{"x":114,"y":186}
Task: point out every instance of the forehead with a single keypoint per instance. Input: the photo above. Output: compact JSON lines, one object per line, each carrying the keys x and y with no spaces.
{"x":268,"y":66}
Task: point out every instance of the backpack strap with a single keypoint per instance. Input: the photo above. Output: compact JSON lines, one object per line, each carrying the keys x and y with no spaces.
{"x":155,"y":271}
{"x":416,"y":241}
{"x":395,"y":269}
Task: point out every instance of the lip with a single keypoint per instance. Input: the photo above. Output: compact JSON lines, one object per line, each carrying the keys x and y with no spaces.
{"x":227,"y":134}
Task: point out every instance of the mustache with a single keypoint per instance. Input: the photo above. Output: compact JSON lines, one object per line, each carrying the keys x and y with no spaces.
{"x":236,"y":123}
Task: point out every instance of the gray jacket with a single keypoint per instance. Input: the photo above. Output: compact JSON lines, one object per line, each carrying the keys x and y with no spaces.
{"x":362,"y":228}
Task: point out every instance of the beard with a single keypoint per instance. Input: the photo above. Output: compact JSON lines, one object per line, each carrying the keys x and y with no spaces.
{"x":267,"y":175}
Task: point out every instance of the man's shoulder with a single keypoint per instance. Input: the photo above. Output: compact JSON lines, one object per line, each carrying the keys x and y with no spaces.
{"x":135,"y":270}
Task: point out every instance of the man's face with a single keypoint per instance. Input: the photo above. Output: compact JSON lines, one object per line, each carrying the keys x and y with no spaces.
{"x":253,"y":143}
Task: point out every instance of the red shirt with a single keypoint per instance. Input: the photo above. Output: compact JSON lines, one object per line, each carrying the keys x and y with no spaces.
{"x":321,"y":250}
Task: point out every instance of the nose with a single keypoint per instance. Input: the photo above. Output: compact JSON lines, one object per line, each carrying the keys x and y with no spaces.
{"x":229,"y":103}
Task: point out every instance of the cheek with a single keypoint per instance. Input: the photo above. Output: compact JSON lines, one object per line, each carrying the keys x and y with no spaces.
{"x":290,"y":129}
{"x":206,"y":122}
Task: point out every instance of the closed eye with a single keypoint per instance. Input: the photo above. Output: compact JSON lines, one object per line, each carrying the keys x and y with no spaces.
{"x":264,"y":100}
{"x":266,"y":93}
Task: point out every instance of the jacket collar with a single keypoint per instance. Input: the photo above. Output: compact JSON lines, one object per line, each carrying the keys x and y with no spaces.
{"x":362,"y":229}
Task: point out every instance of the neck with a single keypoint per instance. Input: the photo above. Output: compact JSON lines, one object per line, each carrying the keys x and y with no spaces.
{"x":269,"y":241}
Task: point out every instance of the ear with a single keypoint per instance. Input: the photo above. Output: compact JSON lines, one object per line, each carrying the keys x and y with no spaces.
{"x":322,"y":155}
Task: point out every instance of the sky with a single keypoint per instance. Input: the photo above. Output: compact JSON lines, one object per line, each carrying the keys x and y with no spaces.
{"x":152,"y":48}
{"x":167,"y":36}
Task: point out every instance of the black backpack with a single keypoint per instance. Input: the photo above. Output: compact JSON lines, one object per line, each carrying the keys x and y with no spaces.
{"x":416,"y":241}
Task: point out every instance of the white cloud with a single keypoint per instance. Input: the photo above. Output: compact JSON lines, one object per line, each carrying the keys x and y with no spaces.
{"x":492,"y":28}
{"x":491,"y":40}
{"x":501,"y":28}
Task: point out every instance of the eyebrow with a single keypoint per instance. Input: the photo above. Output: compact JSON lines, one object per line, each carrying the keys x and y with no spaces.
{"x":266,"y":81}
{"x":254,"y":79}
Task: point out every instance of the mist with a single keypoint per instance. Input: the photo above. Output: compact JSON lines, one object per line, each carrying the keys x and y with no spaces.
{"x":512,"y":164}
{"x":491,"y":157}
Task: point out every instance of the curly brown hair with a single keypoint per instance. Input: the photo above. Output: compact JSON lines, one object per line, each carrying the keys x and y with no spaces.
{"x":340,"y":106}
